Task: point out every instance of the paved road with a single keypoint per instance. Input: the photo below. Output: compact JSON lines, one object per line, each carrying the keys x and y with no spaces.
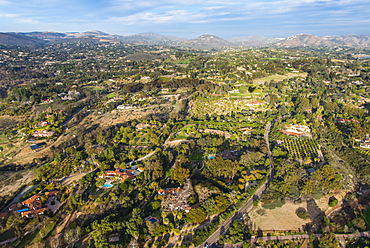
{"x":24,"y":191}
{"x":138,"y":160}
{"x":306,"y":236}
{"x":249,"y":204}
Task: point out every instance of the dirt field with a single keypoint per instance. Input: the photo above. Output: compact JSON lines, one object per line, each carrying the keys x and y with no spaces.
{"x":284,"y":218}
{"x":69,"y":180}
{"x":120,"y":116}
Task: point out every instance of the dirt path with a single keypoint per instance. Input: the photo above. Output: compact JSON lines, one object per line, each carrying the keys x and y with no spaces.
{"x":68,"y":180}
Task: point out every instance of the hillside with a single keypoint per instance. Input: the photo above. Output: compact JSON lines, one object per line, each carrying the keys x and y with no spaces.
{"x":19,"y":40}
{"x":253,"y":41}
{"x":151,"y":38}
{"x":351,"y":40}
{"x":303,"y":40}
{"x":207,"y":42}
{"x":307,"y":40}
{"x":203,"y":42}
{"x":44,"y":35}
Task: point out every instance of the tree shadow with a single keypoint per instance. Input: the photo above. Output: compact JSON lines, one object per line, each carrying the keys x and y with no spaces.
{"x":316,"y":216}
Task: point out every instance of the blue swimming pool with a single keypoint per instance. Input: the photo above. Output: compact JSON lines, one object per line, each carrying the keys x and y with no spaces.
{"x":107,"y":185}
{"x":22,"y":210}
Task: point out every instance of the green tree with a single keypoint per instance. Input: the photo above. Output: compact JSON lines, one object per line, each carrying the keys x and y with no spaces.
{"x":180,"y":174}
{"x":197,"y":215}
{"x":329,"y":240}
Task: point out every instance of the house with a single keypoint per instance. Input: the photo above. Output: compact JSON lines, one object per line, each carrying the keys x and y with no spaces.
{"x":168,"y":191}
{"x":47,"y":101}
{"x":122,"y":107}
{"x":246,"y":130}
{"x":176,"y":198}
{"x":43,"y":133}
{"x":44,"y":123}
{"x":118,"y":173}
{"x":365,"y":144}
{"x":51,"y":192}
{"x":346,"y":120}
{"x":31,"y":213}
{"x":296,"y":130}
{"x":226,"y":154}
{"x":34,"y":202}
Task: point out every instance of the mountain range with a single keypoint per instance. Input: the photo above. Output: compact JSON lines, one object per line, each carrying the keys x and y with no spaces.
{"x":203,"y":42}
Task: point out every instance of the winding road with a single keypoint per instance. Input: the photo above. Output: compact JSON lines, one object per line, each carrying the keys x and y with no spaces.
{"x":222,"y":229}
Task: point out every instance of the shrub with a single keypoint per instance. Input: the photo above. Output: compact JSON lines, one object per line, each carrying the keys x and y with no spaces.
{"x":333,"y":201}
{"x":302,"y":213}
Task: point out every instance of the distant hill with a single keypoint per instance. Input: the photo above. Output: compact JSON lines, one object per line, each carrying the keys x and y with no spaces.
{"x":207,"y":42}
{"x":151,"y":38}
{"x":253,"y":41}
{"x":44,"y":35}
{"x":94,"y":33}
{"x":351,"y":40}
{"x":12,"y":39}
{"x":304,"y":40}
{"x":203,"y":42}
{"x":307,"y":40}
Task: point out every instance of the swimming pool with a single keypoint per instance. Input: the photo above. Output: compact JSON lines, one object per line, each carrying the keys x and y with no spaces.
{"x":107,"y":185}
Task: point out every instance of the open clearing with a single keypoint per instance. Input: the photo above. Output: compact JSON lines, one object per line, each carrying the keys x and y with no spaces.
{"x":278,"y":78}
{"x":285,"y":218}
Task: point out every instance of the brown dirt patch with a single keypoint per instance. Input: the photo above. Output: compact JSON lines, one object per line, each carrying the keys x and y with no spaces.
{"x":283,"y":218}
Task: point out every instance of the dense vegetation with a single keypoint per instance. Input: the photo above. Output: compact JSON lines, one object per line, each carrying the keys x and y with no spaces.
{"x":193,"y":124}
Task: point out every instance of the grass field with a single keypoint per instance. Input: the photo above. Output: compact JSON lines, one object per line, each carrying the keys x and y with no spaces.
{"x":111,"y":95}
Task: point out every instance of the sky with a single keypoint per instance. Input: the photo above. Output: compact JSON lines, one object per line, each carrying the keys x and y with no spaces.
{"x":189,"y":18}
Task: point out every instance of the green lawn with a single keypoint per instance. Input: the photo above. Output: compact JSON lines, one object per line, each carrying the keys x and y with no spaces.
{"x":111,"y":95}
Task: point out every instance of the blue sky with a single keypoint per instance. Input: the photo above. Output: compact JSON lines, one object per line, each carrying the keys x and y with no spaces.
{"x":189,"y":18}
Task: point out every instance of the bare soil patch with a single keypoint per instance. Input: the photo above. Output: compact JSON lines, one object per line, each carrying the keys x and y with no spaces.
{"x":285,"y":218}
{"x":12,"y":181}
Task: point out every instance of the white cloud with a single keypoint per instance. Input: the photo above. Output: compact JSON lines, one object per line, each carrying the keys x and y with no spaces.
{"x":166,"y":17}
{"x":4,"y":2}
{"x":9,"y":15}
